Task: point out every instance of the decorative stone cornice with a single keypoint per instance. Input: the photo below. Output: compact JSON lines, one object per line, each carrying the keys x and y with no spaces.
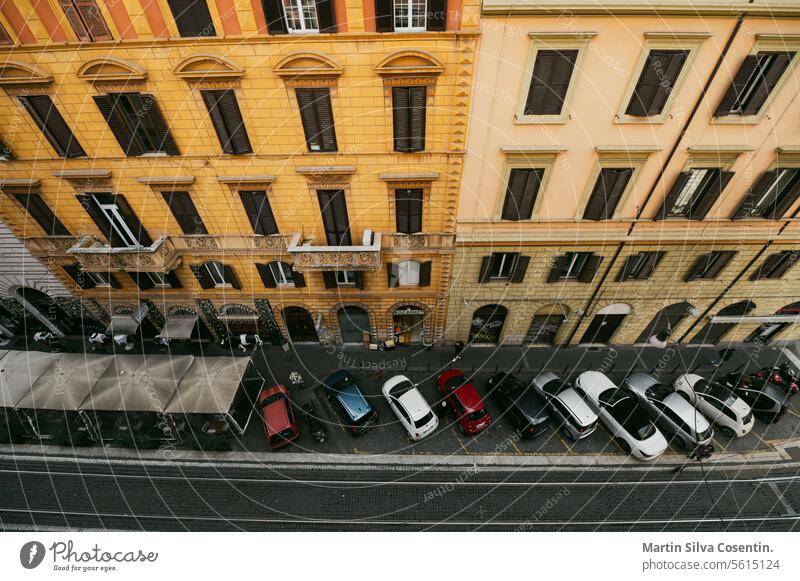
{"x":111,"y":70}
{"x":208,"y":67}
{"x":20,"y":74}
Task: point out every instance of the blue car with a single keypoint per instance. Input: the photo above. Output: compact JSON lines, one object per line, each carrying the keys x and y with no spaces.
{"x":356,"y":413}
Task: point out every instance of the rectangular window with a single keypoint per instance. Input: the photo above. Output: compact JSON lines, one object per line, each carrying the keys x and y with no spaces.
{"x":408,"y":210}
{"x":149,"y":280}
{"x":227,"y":120}
{"x":521,"y":192}
{"x":40,"y":212}
{"x":192,"y":17}
{"x":607,"y":192}
{"x":185,"y":212}
{"x":408,"y":273}
{"x":502,"y":265}
{"x":215,"y":274}
{"x":772,"y":196}
{"x":316,"y":114}
{"x":409,"y":15}
{"x":301,"y":16}
{"x":580,"y":266}
{"x":46,"y":116}
{"x":640,"y":266}
{"x":334,"y":217}
{"x":345,"y":277}
{"x":86,"y":19}
{"x":694,"y":193}
{"x":408,"y":112}
{"x":256,"y":204}
{"x":99,"y":279}
{"x":710,"y":265}
{"x":552,"y":72}
{"x":281,"y":273}
{"x":755,"y":80}
{"x":137,"y":123}
{"x":658,"y":78}
{"x":116,"y":220}
{"x":776,"y":265}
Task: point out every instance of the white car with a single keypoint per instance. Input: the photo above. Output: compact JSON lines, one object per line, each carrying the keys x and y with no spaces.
{"x":577,"y":419}
{"x":621,"y":413}
{"x":718,"y":403}
{"x":410,"y":407}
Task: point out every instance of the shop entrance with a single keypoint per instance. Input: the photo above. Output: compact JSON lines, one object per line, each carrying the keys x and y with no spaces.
{"x":408,"y":325}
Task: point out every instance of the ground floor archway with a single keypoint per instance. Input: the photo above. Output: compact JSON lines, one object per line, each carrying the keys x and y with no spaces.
{"x":545,"y":325}
{"x":300,"y":325}
{"x":240,"y":319}
{"x":42,"y":313}
{"x":606,"y":323}
{"x":487,"y":325}
{"x":353,"y":323}
{"x":408,"y":324}
{"x":712,"y":333}
{"x":665,"y":321}
{"x":767,"y":332}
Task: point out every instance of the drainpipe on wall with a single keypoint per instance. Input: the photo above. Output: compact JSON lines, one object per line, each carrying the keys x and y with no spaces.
{"x":662,"y":171}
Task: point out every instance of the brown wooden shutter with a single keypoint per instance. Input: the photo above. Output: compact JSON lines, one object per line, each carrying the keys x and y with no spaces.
{"x":768,"y":80}
{"x":46,"y":116}
{"x":317,"y":117}
{"x":227,"y":120}
{"x":230,"y":277}
{"x":93,"y":19}
{"x":558,"y":268}
{"x":776,"y":265}
{"x":384,"y":15}
{"x":436,"y":17}
{"x":669,"y":201}
{"x":392,"y":274}
{"x":400,"y":115}
{"x":201,"y":272}
{"x":298,"y":279}
{"x":132,"y":221}
{"x":325,"y":15}
{"x":40,"y":212}
{"x":266,"y":275}
{"x":142,"y":280}
{"x":746,"y":69}
{"x":425,"y":273}
{"x":408,"y":210}
{"x":712,"y":192}
{"x":416,"y":129}
{"x":723,"y":257}
{"x":520,"y":268}
{"x":329,"y":277}
{"x":653,"y":258}
{"x":550,"y":80}
{"x":75,"y":20}
{"x":108,"y":108}
{"x":256,"y":205}
{"x":625,"y":272}
{"x":5,"y":153}
{"x":185,"y":212}
{"x":82,"y":280}
{"x":486,"y":263}
{"x":606,"y":194}
{"x":333,"y":206}
{"x":523,"y":187}
{"x":359,"y":283}
{"x":102,"y":223}
{"x":324,"y":109}
{"x":656,"y":82}
{"x":788,"y":197}
{"x":590,"y":268}
{"x":173,"y":279}
{"x":163,"y":137}
{"x":192,"y":17}
{"x":276,"y":23}
{"x":746,"y":208}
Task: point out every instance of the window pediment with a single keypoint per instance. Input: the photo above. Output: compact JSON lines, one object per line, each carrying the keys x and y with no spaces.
{"x":308,"y":65}
{"x":414,"y":63}
{"x":19,"y":74}
{"x":111,"y":70}
{"x":202,"y":67}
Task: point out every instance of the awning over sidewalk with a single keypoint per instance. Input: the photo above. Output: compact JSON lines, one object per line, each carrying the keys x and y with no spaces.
{"x":67,"y":383}
{"x":122,"y":325}
{"x":178,"y":327}
{"x":19,"y":370}
{"x":209,"y":386}
{"x":756,"y":319}
{"x":138,"y":383}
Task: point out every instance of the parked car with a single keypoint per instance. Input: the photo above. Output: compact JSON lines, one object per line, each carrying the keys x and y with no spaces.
{"x":566,"y":406}
{"x":518,"y":402}
{"x":621,"y":413}
{"x":279,"y":419}
{"x":356,"y":413}
{"x":318,"y":430}
{"x":462,"y":397}
{"x":718,"y":403}
{"x":768,"y":401}
{"x":784,"y":376}
{"x":676,"y":417}
{"x":410,"y":407}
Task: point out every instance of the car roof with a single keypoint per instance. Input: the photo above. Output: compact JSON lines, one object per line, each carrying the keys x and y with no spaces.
{"x":468,"y":396}
{"x":277,"y":415}
{"x":578,"y":407}
{"x":686,"y":411}
{"x":414,"y":403}
{"x":595,"y":382}
{"x":640,"y":381}
{"x":353,"y":401}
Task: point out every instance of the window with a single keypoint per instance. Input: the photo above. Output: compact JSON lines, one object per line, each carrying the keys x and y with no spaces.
{"x":334,"y":217}
{"x":215,"y":274}
{"x":86,"y":19}
{"x":192,"y":17}
{"x":227,"y":120}
{"x":640,"y":266}
{"x":317,"y":117}
{"x":89,"y":280}
{"x":523,"y":186}
{"x":137,"y":123}
{"x":301,"y":15}
{"x":99,"y":279}
{"x":579,"y":266}
{"x":408,"y":111}
{"x":410,"y":15}
{"x":277,"y":274}
{"x":409,"y":273}
{"x":710,"y":265}
{"x":504,"y":266}
{"x":5,"y":152}
{"x":281,"y":273}
{"x":185,"y":212}
{"x":148,"y":280}
{"x":772,"y":196}
{"x":552,"y":72}
{"x":40,"y":212}
{"x":344,"y":278}
{"x":776,"y":265}
{"x":756,"y":79}
{"x":116,"y":220}
{"x":408,"y":210}
{"x":256,"y":204}
{"x":607,"y":192}
{"x":694,"y":193}
{"x":658,"y":79}
{"x":5,"y":39}
{"x":52,"y":124}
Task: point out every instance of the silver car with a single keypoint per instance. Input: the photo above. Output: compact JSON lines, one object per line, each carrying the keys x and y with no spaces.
{"x":569,"y":409}
{"x":671,"y":411}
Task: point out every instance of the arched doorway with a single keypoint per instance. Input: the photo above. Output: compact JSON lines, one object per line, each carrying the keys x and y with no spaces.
{"x":666,"y":320}
{"x":407,"y":324}
{"x":42,"y":313}
{"x":605,"y":323}
{"x":353,"y":323}
{"x":545,"y":324}
{"x":712,"y":332}
{"x":300,"y":325}
{"x":766,"y":332}
{"x":240,"y":319}
{"x":487,"y":325}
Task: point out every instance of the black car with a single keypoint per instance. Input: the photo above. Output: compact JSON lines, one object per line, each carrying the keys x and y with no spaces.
{"x":518,"y":402}
{"x":357,"y":414}
{"x":768,"y":402}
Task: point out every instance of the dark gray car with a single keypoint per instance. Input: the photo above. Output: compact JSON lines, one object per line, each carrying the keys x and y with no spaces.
{"x":518,"y":402}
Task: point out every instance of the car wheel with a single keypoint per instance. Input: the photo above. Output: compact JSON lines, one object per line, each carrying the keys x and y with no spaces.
{"x":727,"y":432}
{"x":622,"y":443}
{"x":679,"y":442}
{"x":567,"y":434}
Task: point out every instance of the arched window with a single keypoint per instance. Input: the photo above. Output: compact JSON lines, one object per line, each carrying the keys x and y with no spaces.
{"x":408,"y":273}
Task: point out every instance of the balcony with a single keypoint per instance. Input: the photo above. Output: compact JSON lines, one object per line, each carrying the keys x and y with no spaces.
{"x":94,"y":256}
{"x":400,"y":243}
{"x":307,"y":257}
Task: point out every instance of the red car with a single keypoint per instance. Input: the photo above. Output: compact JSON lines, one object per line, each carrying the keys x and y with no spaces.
{"x":279,"y":420}
{"x":463,"y":399}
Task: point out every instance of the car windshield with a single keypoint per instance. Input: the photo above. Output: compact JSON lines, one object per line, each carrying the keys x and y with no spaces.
{"x":509,"y":383}
{"x":658,"y":392}
{"x":342,"y":383}
{"x":424,"y":420}
{"x":704,"y":435}
{"x":611,"y":396}
{"x":401,"y":388}
{"x":716,"y":390}
{"x":554,"y":387}
{"x":632,"y":417}
{"x":477,"y":415}
{"x":271,"y":399}
{"x":454,"y":382}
